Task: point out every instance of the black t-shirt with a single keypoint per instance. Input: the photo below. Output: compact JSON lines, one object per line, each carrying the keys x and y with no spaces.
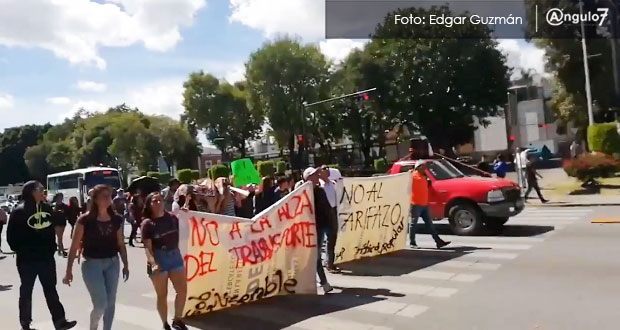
{"x":100,"y":237}
{"x":321,"y":207}
{"x":61,"y":213}
{"x":163,"y":232}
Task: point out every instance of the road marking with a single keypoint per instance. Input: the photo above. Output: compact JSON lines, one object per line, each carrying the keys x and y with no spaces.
{"x":467,"y":265}
{"x":444,"y":276}
{"x":412,"y":311}
{"x":146,"y":318}
{"x":393,"y":285}
{"x":481,"y":244}
{"x":49,"y":325}
{"x":490,"y":255}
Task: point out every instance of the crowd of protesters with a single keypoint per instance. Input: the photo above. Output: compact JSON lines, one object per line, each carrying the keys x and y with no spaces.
{"x":36,"y":228}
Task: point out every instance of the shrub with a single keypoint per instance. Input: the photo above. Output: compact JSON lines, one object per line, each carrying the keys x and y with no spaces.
{"x":195,"y":175}
{"x":184,"y":175}
{"x":588,"y":167}
{"x":381,"y":165}
{"x":266,"y":168}
{"x":219,"y":171}
{"x":281,"y":165}
{"x":604,"y":138}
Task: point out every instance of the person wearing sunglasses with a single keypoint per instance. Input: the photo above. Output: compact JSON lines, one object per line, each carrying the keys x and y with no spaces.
{"x":100,"y":234}
{"x":31,"y":233}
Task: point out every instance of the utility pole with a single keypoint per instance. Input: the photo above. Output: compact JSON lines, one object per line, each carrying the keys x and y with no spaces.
{"x":586,"y":68}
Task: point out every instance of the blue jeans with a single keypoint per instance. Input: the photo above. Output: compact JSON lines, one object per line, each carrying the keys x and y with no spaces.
{"x":101,"y":279}
{"x":169,"y":260}
{"x":424,"y":212}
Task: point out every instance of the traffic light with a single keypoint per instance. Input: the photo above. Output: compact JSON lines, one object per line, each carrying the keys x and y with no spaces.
{"x":512,"y":138}
{"x":365,"y":97}
{"x":300,"y":138}
{"x":542,"y":125}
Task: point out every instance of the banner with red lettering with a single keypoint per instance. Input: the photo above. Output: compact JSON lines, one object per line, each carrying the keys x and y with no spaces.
{"x":232,"y":261}
{"x":373,"y":215}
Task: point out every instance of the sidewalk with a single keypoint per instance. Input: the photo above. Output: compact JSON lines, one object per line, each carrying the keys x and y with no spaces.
{"x":559,"y":198}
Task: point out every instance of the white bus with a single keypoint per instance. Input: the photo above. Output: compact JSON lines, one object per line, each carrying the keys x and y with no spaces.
{"x":76,"y":183}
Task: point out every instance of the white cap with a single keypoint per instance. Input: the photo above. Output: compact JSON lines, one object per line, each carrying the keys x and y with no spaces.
{"x":334,"y":174}
{"x":309,"y":171}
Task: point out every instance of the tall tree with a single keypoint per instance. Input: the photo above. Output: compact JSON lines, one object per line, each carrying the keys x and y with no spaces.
{"x":281,"y":76}
{"x":13,"y":144}
{"x":443,"y":77}
{"x":564,"y":58}
{"x":221,"y":110}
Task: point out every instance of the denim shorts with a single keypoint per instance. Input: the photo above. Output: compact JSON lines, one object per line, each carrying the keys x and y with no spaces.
{"x":169,"y":260}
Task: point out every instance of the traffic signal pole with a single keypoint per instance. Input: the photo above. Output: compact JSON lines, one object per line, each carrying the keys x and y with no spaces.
{"x":305,"y":105}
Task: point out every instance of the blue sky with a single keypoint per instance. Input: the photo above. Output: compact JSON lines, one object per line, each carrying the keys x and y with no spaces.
{"x":57,"y":56}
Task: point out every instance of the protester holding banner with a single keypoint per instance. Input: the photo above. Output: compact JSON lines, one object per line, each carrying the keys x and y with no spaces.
{"x":99,"y":233}
{"x":160,"y":231}
{"x":184,"y":198}
{"x":332,"y":234}
{"x":419,"y":205}
{"x":282,"y":188}
{"x":322,"y":216}
{"x":244,"y":205}
{"x":31,"y":233}
{"x":265,"y":197}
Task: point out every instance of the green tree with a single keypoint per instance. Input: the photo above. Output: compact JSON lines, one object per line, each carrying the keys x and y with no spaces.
{"x":13,"y":144}
{"x":564,"y":58}
{"x":281,"y":76}
{"x":441,"y":84}
{"x":221,"y":110}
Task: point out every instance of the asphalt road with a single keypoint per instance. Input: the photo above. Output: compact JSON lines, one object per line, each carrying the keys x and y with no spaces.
{"x":550,"y":269}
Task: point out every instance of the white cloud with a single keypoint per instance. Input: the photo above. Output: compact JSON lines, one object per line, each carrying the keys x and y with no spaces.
{"x":75,"y":29}
{"x":58,"y":100}
{"x":88,"y":105}
{"x":304,"y":18}
{"x":6,"y":101}
{"x":162,"y":98}
{"x":338,"y":49}
{"x":235,"y":73}
{"x":522,"y":55}
{"x":91,"y":86}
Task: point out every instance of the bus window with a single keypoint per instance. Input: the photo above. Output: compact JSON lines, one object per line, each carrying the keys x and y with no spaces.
{"x":67,"y":182}
{"x":109,"y":178}
{"x":52,"y":184}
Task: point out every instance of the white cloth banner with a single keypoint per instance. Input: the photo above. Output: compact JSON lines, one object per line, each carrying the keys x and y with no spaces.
{"x":373,"y":216}
{"x":231,"y":261}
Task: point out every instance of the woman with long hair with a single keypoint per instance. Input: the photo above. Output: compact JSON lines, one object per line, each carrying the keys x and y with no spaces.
{"x":184,"y":197}
{"x":160,"y":231}
{"x":74,"y":212}
{"x":61,"y":213}
{"x":100,"y":235}
{"x":135,"y":208}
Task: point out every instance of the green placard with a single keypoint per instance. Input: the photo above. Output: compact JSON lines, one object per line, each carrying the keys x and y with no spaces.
{"x":244,"y":172}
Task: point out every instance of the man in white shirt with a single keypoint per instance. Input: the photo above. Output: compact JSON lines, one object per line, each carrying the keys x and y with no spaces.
{"x":329,"y":187}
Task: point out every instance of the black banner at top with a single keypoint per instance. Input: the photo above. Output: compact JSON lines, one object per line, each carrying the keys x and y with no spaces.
{"x":507,"y":19}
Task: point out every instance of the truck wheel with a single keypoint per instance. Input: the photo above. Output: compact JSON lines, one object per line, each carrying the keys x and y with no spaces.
{"x":465,"y":220}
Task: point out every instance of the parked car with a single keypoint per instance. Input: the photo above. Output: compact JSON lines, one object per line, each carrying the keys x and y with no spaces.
{"x":471,"y":203}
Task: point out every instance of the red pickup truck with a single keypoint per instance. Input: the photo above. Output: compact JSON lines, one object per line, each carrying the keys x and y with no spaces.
{"x":471,"y":203}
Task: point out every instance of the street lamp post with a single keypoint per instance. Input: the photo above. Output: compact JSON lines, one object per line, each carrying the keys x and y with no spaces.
{"x":586,"y":68}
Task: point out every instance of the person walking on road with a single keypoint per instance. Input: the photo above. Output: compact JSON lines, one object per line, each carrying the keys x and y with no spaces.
{"x":61,"y":213}
{"x":135,"y":208}
{"x":499,"y":166}
{"x":100,"y":235}
{"x":168,"y":193}
{"x":3,"y":221}
{"x":419,"y":206}
{"x":532,"y":181}
{"x":31,"y":233}
{"x":160,"y":230}
{"x":74,"y":212}
{"x":322,"y":216}
{"x":329,"y":187}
